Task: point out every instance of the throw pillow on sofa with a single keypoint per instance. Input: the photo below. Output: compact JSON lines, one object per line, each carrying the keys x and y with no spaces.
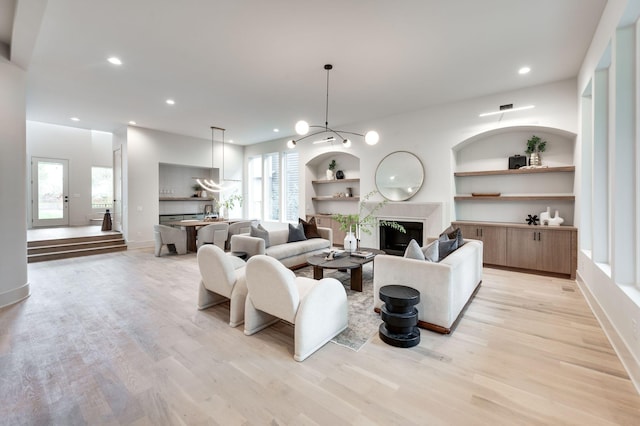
{"x":446,"y":246}
{"x":310,"y":228}
{"x":260,"y":232}
{"x":453,"y":234}
{"x":414,"y":251}
{"x":296,"y":233}
{"x":431,"y":252}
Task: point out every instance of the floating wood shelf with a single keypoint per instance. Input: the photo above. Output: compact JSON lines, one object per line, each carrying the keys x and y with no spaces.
{"x":563,"y":169}
{"x":354,"y":180}
{"x":329,"y":198}
{"x":516,"y":198}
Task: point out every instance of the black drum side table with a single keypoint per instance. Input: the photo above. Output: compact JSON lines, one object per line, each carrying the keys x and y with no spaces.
{"x":399,"y":315}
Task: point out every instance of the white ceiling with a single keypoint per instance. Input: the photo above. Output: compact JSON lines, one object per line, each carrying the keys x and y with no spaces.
{"x":252,"y":65}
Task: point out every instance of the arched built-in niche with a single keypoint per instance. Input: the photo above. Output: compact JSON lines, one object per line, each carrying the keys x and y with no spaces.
{"x":481,"y":167}
{"x":329,"y":196}
{"x":326,"y":197}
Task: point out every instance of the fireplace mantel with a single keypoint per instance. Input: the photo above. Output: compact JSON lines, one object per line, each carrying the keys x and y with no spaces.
{"x":430,"y":214}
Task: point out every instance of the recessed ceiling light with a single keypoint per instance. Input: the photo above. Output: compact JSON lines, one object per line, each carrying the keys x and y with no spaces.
{"x":524,"y":70}
{"x":276,"y":130}
{"x":133,"y":123}
{"x":115,"y":61}
{"x":75,"y":119}
{"x":170,"y":102}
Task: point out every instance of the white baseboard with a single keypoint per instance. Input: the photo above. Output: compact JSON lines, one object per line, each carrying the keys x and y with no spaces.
{"x":14,"y":295}
{"x":627,"y":359}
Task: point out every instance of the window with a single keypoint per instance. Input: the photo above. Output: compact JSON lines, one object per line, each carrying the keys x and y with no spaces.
{"x":290,"y":199}
{"x":101,"y":187}
{"x":254,"y":203}
{"x":273,"y":181}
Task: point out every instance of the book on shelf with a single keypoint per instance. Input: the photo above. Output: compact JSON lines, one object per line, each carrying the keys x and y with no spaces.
{"x":363,"y":254}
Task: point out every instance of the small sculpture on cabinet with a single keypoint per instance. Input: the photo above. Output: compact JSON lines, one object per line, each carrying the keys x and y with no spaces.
{"x":556,"y":220}
{"x":532,"y":219}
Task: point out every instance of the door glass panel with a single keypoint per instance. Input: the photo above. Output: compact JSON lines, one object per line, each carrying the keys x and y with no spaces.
{"x":50,"y":190}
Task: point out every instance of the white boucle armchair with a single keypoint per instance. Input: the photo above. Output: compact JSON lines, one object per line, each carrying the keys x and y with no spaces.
{"x":174,"y":238}
{"x":445,"y":287}
{"x":222,"y":278}
{"x":317,"y":308}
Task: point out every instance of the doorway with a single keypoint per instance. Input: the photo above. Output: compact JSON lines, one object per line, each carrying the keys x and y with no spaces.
{"x":49,"y":192}
{"x":117,"y":190}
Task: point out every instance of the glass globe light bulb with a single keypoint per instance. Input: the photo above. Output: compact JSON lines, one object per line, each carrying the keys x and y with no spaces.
{"x":302,"y":127}
{"x":371,"y":137}
{"x":291,"y":144}
{"x":346,"y":143}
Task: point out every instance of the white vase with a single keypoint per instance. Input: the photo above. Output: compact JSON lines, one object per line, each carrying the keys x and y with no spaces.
{"x":545,"y":216}
{"x":350,"y":242}
{"x":329,"y":174}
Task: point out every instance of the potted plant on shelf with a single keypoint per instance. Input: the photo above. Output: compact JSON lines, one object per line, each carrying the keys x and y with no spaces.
{"x":535,"y":146}
{"x":363,"y":221}
{"x":197,"y":190}
{"x":332,"y":167}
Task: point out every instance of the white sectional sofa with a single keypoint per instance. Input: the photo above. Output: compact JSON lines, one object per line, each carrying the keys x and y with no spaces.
{"x":445,"y":287}
{"x":292,"y":255}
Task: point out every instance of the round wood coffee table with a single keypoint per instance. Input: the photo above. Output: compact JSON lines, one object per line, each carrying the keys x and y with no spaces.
{"x":346,"y":261}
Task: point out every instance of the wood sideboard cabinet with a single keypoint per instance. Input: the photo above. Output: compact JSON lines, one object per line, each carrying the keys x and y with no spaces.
{"x":544,"y":249}
{"x":327,"y":221}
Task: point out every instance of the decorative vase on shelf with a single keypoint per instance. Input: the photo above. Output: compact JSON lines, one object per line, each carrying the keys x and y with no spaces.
{"x":329,"y":174}
{"x":339,"y":174}
{"x":545,"y":216}
{"x":350,"y":242}
{"x":535,"y":159}
{"x":203,"y":194}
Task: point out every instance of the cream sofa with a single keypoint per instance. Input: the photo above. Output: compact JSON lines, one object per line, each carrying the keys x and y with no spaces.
{"x":292,"y":255}
{"x":445,"y":287}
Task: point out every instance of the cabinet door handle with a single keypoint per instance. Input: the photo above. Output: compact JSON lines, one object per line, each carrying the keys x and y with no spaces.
{"x":539,"y":237}
{"x":534,"y":236}
{"x":481,"y":232}
{"x":477,"y":232}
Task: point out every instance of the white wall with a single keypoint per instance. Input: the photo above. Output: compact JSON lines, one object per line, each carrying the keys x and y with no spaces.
{"x":13,"y":250}
{"x":616,"y":306}
{"x":83,"y":148}
{"x":147,"y":148}
{"x":432,"y":133}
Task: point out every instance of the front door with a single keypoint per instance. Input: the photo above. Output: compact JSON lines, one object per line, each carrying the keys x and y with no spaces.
{"x":50,"y":192}
{"x":117,"y":190}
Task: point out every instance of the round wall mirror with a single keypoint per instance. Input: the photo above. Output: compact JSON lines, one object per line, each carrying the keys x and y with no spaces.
{"x":399,"y":176}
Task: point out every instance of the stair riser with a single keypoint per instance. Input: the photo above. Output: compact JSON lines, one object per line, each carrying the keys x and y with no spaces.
{"x":72,"y":254}
{"x":79,"y":246}
{"x":76,"y":240}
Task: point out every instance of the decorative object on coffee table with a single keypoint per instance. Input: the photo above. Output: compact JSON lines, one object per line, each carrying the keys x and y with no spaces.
{"x":351,"y":263}
{"x":400,"y":326}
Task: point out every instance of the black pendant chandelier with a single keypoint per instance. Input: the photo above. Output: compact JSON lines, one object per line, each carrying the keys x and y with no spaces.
{"x":302,"y":128}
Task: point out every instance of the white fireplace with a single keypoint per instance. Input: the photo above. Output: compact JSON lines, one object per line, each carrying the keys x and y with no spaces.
{"x":429,"y":214}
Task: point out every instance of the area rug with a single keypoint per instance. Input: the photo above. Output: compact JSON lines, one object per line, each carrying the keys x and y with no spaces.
{"x":363,"y":322}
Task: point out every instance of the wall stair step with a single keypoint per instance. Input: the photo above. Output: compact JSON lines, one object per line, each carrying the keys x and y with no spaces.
{"x":64,"y":248}
{"x":74,"y":253}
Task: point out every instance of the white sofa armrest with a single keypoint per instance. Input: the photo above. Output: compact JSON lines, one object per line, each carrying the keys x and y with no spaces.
{"x":248,"y":244}
{"x":327,"y":234}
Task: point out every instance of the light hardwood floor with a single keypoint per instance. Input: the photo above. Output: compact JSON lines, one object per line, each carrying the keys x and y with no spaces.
{"x":117,"y":340}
